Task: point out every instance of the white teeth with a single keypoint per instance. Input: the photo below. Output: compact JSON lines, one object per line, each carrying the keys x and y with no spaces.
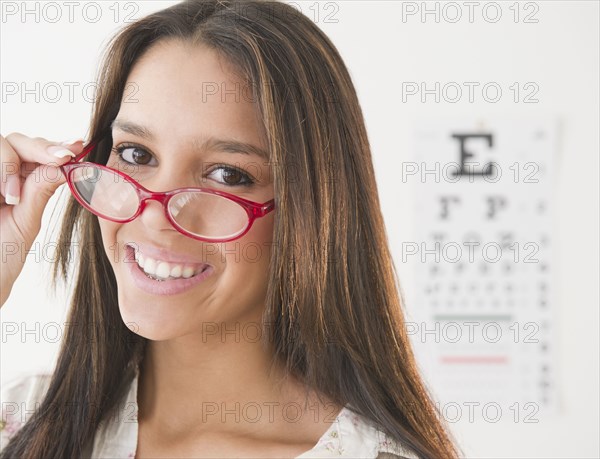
{"x":163,"y":270}
{"x":140,"y":259}
{"x":150,"y":266}
{"x":176,"y":271}
{"x":188,"y":271}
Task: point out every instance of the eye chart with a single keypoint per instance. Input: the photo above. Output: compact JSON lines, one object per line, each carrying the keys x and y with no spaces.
{"x":481,"y":322}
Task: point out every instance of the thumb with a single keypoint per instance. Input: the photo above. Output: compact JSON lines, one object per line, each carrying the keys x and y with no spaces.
{"x":38,"y":188}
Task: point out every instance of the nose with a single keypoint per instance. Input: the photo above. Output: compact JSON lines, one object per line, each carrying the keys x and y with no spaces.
{"x":153,"y":216}
{"x":153,"y":213}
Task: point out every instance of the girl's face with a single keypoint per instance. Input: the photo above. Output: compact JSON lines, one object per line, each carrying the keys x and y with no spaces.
{"x":181,"y":102}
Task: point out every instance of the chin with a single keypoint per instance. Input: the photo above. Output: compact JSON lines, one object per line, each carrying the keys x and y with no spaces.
{"x":150,"y":319}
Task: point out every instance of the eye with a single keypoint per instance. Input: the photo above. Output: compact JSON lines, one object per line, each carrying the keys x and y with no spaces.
{"x":231,"y":176}
{"x":133,"y":154}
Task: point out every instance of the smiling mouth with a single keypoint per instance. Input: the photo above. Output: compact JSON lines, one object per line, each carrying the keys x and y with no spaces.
{"x":150,"y":276}
{"x":161,"y":271}
{"x":159,"y":279}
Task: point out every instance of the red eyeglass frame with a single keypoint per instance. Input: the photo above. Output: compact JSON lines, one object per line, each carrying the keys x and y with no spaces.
{"x":253,"y":209}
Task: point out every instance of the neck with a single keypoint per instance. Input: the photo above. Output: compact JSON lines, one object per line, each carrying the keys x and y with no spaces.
{"x":197,"y":383}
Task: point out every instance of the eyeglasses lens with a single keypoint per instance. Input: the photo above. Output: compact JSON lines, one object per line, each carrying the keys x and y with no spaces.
{"x":203,"y":214}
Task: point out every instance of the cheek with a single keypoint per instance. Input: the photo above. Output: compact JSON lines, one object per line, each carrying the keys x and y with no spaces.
{"x":109,"y":230}
{"x":258,"y":251}
{"x":251,"y":254}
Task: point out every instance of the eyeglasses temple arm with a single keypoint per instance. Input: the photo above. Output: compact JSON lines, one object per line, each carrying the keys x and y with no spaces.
{"x":264,"y":210}
{"x":84,"y":153}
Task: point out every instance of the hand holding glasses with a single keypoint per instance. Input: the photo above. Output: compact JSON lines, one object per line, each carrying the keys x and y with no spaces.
{"x":200,"y":213}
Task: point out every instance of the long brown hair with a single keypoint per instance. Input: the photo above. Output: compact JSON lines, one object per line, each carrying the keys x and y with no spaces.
{"x":333,"y":297}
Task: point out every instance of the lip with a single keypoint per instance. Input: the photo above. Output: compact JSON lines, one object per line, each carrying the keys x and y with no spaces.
{"x":168,"y":287}
{"x":161,"y":254}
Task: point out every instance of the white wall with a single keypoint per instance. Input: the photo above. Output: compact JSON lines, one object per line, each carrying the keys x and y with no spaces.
{"x":382,"y":49}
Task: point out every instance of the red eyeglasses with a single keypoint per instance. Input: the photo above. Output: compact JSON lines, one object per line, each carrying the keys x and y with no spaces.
{"x":200,"y":213}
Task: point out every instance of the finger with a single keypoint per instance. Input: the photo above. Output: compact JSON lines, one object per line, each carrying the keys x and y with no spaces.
{"x":36,"y":191}
{"x":42,"y":151}
{"x":10,"y":183}
{"x":19,"y":150}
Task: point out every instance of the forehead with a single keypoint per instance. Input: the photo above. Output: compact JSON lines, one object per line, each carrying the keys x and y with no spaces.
{"x":183,"y":90}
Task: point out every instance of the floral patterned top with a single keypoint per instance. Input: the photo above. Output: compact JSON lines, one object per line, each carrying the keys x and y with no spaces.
{"x":348,"y":436}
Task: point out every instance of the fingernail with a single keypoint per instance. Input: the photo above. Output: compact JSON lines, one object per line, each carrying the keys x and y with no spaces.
{"x":60,"y":152}
{"x":12,"y":190}
{"x":71,"y":142}
{"x":12,"y":200}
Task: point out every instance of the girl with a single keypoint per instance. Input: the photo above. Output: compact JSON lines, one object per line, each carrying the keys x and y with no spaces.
{"x":235,"y":294}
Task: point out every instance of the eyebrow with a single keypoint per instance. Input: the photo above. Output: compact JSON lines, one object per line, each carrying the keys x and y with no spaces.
{"x":224,"y":145}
